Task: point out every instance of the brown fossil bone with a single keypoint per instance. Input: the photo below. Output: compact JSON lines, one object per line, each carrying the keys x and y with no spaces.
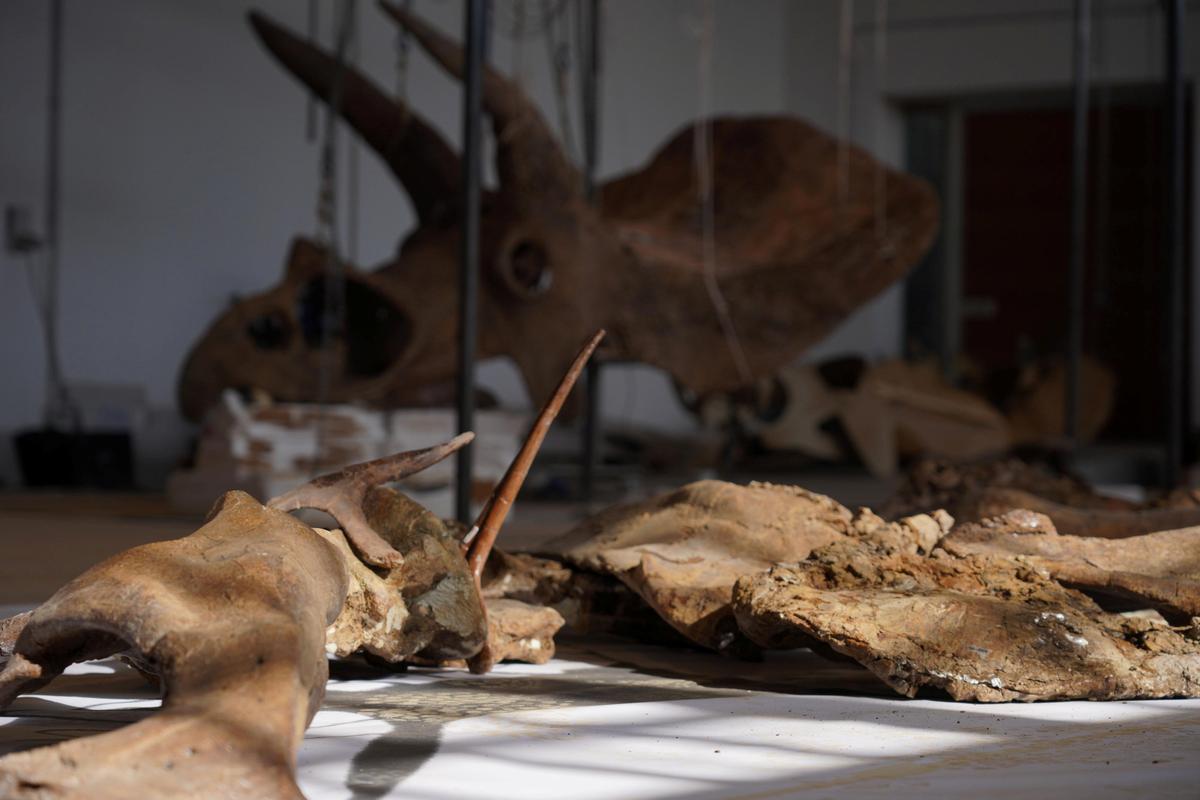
{"x":431,"y":605}
{"x":232,"y":621}
{"x":1160,"y":569}
{"x":984,"y":490}
{"x":1098,"y":522}
{"x":795,"y":254}
{"x":341,"y":495}
{"x":683,"y":551}
{"x":977,"y":627}
{"x":933,"y":483}
{"x":236,"y":621}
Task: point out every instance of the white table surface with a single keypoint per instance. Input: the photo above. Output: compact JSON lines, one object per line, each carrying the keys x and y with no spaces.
{"x":617,"y":720}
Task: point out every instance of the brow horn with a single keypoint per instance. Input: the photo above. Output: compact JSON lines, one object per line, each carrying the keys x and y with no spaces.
{"x":494,"y":513}
{"x":427,"y":167}
{"x":530,"y":161}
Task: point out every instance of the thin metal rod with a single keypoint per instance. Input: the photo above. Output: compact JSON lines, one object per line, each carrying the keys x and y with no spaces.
{"x":1079,"y":160}
{"x":590,"y":58}
{"x":1174,"y":318}
{"x":58,"y":406}
{"x":314,"y":36}
{"x":474,"y":35}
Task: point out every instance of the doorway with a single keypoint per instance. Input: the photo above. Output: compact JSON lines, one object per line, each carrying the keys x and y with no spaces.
{"x":991,"y":297}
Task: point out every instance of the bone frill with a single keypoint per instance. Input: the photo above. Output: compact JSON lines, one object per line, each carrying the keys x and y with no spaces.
{"x":341,"y":495}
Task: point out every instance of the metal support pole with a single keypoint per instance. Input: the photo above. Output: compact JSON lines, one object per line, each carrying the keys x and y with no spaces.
{"x":1079,"y":160}
{"x":58,"y":408}
{"x":590,"y":43}
{"x":474,"y":34}
{"x":1174,"y":317}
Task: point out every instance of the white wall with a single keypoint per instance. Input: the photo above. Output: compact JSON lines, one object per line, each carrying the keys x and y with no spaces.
{"x":186,"y":169}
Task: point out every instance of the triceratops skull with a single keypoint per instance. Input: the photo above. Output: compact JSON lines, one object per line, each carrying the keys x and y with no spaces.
{"x":797,"y":245}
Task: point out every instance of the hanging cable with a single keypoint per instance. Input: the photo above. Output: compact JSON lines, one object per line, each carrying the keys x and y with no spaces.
{"x":702,"y":147}
{"x":512,"y":20}
{"x":60,"y":410}
{"x":352,"y":156}
{"x":314,"y":34}
{"x":402,"y":54}
{"x":518,"y":42}
{"x":555,"y":24}
{"x":588,"y":46}
{"x":845,"y":59}
{"x":333,"y":309}
{"x":881,"y":9}
{"x":1103,"y":197}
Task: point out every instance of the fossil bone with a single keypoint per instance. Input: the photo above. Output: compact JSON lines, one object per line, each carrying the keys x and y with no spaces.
{"x":236,"y":621}
{"x":430,"y":605}
{"x":341,"y":495}
{"x":683,"y":551}
{"x":1098,"y":522}
{"x":794,"y":256}
{"x":232,"y":621}
{"x":1158,"y":569}
{"x":933,"y":483}
{"x":979,"y":628}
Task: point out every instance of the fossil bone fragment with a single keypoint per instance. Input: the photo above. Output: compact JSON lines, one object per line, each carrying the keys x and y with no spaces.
{"x":236,"y":621}
{"x":938,"y":483}
{"x":683,"y":551}
{"x":978,"y":627}
{"x":794,"y":256}
{"x":981,"y":491}
{"x":1099,"y":522}
{"x":1157,"y":569}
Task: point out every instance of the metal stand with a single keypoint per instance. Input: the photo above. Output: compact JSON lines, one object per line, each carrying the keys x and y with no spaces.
{"x":1079,"y":161}
{"x":590,"y":94}
{"x":474,"y":36}
{"x":1175,"y":283}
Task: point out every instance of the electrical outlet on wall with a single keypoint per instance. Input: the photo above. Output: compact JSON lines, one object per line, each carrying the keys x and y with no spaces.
{"x":19,"y":235}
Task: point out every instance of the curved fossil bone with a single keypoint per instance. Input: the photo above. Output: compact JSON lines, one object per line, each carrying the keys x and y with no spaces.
{"x":341,"y":495}
{"x":232,"y":621}
{"x":416,"y":153}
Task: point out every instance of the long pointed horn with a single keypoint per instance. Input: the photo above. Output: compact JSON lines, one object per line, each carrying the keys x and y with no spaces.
{"x":494,"y":513}
{"x":530,"y":160}
{"x":341,"y":494}
{"x":427,"y":167}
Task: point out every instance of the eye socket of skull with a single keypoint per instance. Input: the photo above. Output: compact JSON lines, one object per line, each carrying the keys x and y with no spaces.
{"x":525,"y":268}
{"x":375,"y":333}
{"x":270,"y":331}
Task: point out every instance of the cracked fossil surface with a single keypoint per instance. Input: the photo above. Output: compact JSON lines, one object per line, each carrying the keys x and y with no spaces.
{"x":977,"y":626}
